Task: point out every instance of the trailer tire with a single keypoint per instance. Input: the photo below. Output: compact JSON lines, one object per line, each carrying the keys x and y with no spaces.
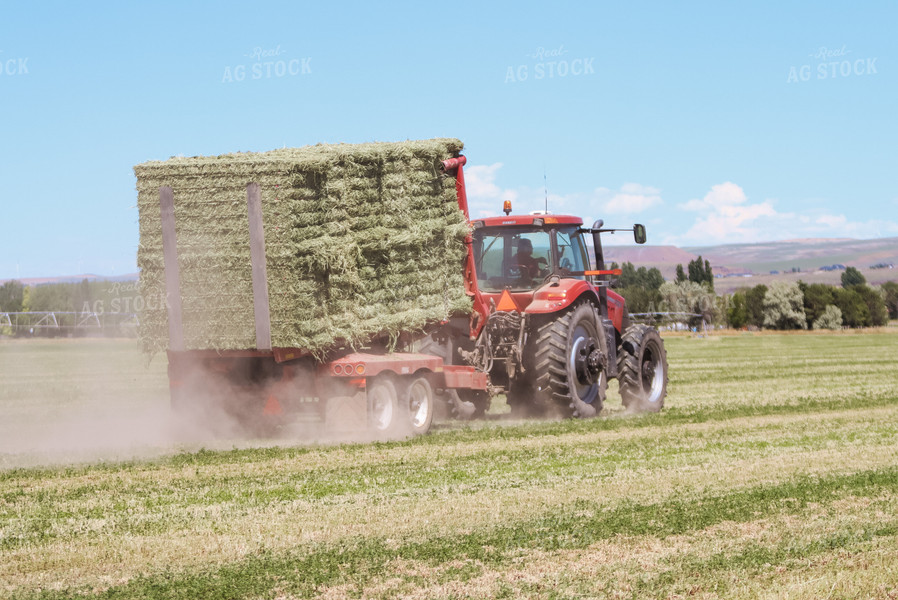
{"x":419,"y":405}
{"x":642,"y":369}
{"x":562,"y":374}
{"x":383,"y":406}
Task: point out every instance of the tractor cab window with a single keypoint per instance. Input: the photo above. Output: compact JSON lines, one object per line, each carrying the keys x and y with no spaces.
{"x":512,"y":258}
{"x":572,"y":253}
{"x":530,"y":256}
{"x":489,"y":255}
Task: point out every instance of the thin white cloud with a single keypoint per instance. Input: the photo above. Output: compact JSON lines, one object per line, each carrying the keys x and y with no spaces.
{"x":727,"y":216}
{"x":486,"y":197}
{"x":724,"y":214}
{"x":632,"y":198}
{"x":480,"y":182}
{"x":840,"y":226}
{"x":832,"y":221}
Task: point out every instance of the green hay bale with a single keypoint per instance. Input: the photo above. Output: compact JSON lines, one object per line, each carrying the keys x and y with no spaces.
{"x":362,"y":241}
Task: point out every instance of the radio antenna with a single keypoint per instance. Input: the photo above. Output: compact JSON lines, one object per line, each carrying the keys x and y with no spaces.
{"x":546,"y":187}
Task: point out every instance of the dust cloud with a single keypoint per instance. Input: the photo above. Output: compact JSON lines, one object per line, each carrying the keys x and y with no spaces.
{"x":67,"y":402}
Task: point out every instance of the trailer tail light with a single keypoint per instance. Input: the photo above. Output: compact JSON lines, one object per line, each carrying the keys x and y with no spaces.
{"x":347,"y":370}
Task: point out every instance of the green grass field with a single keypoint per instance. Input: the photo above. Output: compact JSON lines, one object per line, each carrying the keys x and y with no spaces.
{"x":773,"y":472}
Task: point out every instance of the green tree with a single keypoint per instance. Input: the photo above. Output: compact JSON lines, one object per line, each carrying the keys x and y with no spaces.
{"x":852,"y":276}
{"x":783,"y":307}
{"x":890,"y":296}
{"x":640,"y":299}
{"x":817,"y":296}
{"x":754,"y":304}
{"x":700,"y":272}
{"x":830,"y":319}
{"x":876,"y":306}
{"x":12,"y":296}
{"x":639,"y":287}
{"x":854,"y":310}
{"x":628,"y":275}
{"x":681,"y":275}
{"x":650,"y":279}
{"x":689,"y":297}
{"x":737,"y":313}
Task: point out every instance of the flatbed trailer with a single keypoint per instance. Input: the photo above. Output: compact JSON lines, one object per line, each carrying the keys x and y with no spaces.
{"x":389,"y":393}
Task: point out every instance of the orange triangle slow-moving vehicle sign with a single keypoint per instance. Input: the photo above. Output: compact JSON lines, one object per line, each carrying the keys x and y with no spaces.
{"x":506,"y":302}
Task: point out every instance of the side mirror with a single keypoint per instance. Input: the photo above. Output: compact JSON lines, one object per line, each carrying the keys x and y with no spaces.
{"x":639,"y":233}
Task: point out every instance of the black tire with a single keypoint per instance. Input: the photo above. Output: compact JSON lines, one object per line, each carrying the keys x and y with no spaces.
{"x":479,"y":398}
{"x":419,"y":406}
{"x":562,"y":372}
{"x":383,"y":406}
{"x":520,"y":400}
{"x":642,"y":369}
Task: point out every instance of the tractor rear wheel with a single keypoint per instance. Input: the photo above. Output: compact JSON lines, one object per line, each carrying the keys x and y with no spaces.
{"x":642,"y":369}
{"x":568,"y":368}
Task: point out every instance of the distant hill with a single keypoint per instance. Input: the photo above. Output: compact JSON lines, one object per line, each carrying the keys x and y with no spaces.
{"x":665,"y":258}
{"x":807,"y":254}
{"x":750,"y":264}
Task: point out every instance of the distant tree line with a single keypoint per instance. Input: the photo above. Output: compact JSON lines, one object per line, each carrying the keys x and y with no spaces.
{"x":84,"y":296}
{"x":99,"y":297}
{"x":782,"y":305}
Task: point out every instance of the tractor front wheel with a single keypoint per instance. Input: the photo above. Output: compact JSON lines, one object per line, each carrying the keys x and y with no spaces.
{"x":569,"y":369}
{"x":642,"y":369}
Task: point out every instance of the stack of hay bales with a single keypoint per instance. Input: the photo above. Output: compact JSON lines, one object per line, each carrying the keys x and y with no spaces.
{"x":362,"y":241}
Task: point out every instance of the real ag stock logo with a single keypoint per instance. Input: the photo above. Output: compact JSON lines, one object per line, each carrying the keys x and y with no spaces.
{"x":549,"y":64}
{"x":832,"y":63}
{"x":267,"y":63}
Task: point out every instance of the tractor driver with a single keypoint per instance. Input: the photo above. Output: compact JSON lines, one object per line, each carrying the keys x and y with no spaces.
{"x":530,"y":267}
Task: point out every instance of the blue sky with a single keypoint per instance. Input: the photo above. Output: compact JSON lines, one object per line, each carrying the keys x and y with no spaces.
{"x":709,"y":122}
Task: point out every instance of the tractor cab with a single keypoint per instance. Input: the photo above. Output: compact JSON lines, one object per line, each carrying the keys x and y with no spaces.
{"x":521,"y":254}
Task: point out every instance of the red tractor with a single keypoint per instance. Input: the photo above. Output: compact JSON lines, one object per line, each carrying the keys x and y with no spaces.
{"x":546,"y":328}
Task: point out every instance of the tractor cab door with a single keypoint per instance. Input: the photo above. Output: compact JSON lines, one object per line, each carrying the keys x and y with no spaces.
{"x":573,"y":256}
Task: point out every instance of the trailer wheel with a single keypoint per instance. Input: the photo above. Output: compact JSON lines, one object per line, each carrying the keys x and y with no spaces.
{"x":568,"y":369}
{"x":420,"y":406}
{"x":383,"y":405}
{"x":642,"y":369}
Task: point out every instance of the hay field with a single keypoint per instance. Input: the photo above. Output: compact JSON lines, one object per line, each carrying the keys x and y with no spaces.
{"x":773,"y":473}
